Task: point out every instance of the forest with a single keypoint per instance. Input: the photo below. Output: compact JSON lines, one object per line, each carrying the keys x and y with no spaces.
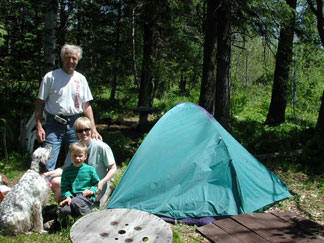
{"x":252,"y":62}
{"x":256,"y":66}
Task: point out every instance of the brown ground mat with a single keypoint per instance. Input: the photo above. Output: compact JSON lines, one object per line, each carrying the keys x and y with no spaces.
{"x":263,"y":227}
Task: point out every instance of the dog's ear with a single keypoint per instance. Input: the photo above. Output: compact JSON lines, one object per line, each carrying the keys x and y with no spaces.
{"x":2,"y":195}
{"x":46,"y":153}
{"x":49,"y":147}
{"x":3,"y":180}
{"x":42,"y":168}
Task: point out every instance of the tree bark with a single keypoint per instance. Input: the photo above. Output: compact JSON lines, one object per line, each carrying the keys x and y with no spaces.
{"x":215,"y":88}
{"x":222,"y":98}
{"x":65,"y":10}
{"x":320,"y":120}
{"x":116,"y":58}
{"x":208,"y":84}
{"x":145,"y":97}
{"x":280,"y":88}
{"x":134,"y":48}
{"x":318,"y":11}
{"x":182,"y":83}
{"x":50,"y":35}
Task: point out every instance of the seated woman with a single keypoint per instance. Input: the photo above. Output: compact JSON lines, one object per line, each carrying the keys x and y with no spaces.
{"x":100,"y":156}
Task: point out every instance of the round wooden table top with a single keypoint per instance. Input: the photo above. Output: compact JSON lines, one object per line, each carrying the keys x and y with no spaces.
{"x":120,"y":225}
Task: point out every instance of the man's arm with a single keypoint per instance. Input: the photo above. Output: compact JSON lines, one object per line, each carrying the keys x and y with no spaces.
{"x":87,"y":110}
{"x":40,"y":132}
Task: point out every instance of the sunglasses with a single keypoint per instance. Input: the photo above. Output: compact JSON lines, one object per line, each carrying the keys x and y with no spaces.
{"x":83,"y":130}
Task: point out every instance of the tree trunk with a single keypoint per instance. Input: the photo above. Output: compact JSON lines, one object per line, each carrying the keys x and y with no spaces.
{"x":182,"y":83}
{"x":116,"y":58}
{"x":318,"y":11}
{"x":320,"y":120}
{"x":65,"y":10}
{"x":222,"y":98}
{"x":134,"y":48}
{"x":145,"y":97}
{"x":50,"y":35}
{"x":208,"y":83}
{"x":280,"y":88}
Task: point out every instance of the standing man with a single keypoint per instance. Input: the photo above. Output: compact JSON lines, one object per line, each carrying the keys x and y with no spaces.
{"x":64,"y":94}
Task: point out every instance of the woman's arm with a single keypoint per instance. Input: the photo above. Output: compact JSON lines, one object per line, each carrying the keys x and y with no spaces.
{"x":110,"y":174}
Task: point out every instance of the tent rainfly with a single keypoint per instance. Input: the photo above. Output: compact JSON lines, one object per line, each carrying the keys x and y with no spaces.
{"x":189,"y":166}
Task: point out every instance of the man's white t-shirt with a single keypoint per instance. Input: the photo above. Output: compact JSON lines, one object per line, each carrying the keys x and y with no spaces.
{"x":64,"y":93}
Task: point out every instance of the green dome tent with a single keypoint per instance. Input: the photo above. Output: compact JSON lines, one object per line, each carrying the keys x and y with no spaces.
{"x":190,"y":166}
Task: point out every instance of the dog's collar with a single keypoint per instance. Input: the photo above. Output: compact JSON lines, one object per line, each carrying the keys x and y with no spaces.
{"x":47,"y":181}
{"x":35,"y":171}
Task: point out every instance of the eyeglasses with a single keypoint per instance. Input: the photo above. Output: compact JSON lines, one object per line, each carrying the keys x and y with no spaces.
{"x":83,"y":130}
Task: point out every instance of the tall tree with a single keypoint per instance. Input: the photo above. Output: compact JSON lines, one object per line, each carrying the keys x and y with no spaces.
{"x":208,"y":84}
{"x":21,"y":51}
{"x":223,"y":57}
{"x":116,"y":69}
{"x":50,"y":35}
{"x":134,"y":55}
{"x":317,"y":8}
{"x":155,"y":20}
{"x":320,"y":120}
{"x":280,"y":89}
{"x":65,"y":9}
{"x":145,"y":98}
{"x":214,"y":92}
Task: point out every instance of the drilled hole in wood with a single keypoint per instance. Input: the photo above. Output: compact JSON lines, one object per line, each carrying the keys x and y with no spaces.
{"x":122,"y":232}
{"x":129,"y":240}
{"x":138,"y":228}
{"x":104,"y":234}
{"x":145,"y":239}
{"x":114,"y":223}
{"x":126,"y":224}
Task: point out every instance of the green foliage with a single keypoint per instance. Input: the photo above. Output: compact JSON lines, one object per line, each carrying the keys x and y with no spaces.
{"x":7,"y":135}
{"x":313,"y":153}
{"x":20,"y":62}
{"x":178,"y":39}
{"x":238,"y":102}
{"x":60,"y":237}
{"x":174,"y":97}
{"x":3,"y":33}
{"x":176,"y":238}
{"x":15,"y":165}
{"x":122,"y":146}
{"x":118,"y":176}
{"x":253,"y":63}
{"x":260,"y":139}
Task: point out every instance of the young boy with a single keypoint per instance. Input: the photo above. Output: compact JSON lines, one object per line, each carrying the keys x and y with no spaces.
{"x":78,"y":184}
{"x":100,"y":156}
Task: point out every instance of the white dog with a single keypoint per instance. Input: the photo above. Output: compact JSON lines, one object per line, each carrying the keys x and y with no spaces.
{"x":21,"y":209}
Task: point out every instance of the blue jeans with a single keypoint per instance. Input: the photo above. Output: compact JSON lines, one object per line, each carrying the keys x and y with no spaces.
{"x":56,"y":133}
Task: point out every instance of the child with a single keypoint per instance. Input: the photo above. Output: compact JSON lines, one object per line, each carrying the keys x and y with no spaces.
{"x":78,"y":184}
{"x":100,"y":156}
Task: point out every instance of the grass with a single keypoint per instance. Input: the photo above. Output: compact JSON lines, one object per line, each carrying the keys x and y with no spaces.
{"x":307,"y":188}
{"x":308,"y":201}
